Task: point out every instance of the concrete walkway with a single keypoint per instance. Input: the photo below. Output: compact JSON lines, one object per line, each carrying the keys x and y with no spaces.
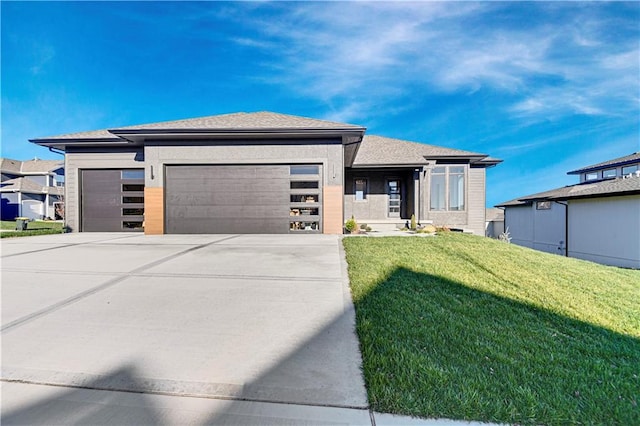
{"x":203,"y":329}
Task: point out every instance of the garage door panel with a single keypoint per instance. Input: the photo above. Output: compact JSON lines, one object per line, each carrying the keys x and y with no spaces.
{"x":255,"y":212}
{"x":194,"y":173}
{"x":228,"y":199}
{"x":104,"y":198}
{"x":218,"y":198}
{"x":227,"y":226}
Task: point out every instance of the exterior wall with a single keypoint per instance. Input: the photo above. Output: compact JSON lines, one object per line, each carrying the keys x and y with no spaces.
{"x":542,"y":230}
{"x":473,"y":217}
{"x":376,"y":204}
{"x":77,"y":160}
{"x":328,"y":153}
{"x":606,"y":230}
{"x":494,"y":228}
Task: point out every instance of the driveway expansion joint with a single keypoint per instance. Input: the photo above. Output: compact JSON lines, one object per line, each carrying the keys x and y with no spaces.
{"x":118,"y":279}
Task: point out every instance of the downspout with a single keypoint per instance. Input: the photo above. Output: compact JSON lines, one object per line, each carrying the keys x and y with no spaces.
{"x":566,"y":226}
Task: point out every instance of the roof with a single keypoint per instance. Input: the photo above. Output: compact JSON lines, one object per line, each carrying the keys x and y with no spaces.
{"x":35,"y":166}
{"x":263,"y":120}
{"x":627,"y":159}
{"x":494,"y":214}
{"x":604,"y":188}
{"x":383,"y":151}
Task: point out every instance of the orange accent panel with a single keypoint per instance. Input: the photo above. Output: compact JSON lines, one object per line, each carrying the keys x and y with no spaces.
{"x":332,"y":209}
{"x":154,"y":211}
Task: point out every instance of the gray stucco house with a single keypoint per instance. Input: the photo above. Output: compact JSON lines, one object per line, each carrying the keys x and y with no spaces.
{"x":597,"y":219}
{"x":263,"y":172}
{"x":33,"y":189}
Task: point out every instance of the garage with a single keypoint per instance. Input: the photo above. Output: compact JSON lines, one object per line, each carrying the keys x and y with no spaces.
{"x":112,"y":200}
{"x":243,"y":199}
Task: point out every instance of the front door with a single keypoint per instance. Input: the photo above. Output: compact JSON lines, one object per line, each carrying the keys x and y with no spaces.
{"x":393,"y":190}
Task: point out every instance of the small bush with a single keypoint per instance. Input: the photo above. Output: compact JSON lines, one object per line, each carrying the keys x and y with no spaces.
{"x":428,"y":229}
{"x":443,"y":229}
{"x":505,"y":236}
{"x":351,"y":225}
{"x":413,"y":222}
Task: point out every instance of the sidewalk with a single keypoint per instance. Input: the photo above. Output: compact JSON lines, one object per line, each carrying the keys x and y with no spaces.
{"x":46,"y":405}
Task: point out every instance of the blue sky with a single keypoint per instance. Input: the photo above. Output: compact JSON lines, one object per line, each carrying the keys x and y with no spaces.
{"x":547,"y":87}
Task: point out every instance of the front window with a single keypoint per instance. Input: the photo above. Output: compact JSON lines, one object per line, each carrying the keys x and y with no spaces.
{"x":361,"y":189}
{"x":609,"y":173}
{"x":629,"y":169}
{"x":543,"y":205}
{"x":448,"y":188}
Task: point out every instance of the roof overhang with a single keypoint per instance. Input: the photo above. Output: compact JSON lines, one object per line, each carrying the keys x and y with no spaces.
{"x":137,"y":137}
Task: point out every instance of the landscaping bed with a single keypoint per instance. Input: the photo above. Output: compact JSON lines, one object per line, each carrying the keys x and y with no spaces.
{"x":466,"y":327}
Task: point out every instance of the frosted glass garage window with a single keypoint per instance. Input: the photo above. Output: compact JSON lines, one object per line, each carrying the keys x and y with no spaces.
{"x":438,"y":188}
{"x":456,"y":188}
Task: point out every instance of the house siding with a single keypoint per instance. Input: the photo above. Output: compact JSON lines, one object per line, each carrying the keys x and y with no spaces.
{"x":606,"y":230}
{"x":542,"y":230}
{"x":77,"y":160}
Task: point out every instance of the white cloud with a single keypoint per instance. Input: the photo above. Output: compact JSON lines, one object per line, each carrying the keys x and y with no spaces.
{"x":376,"y":51}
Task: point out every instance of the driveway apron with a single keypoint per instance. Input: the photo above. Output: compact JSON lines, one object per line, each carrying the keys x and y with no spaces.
{"x":241,"y":317}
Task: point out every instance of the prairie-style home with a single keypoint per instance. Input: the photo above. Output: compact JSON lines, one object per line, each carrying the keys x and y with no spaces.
{"x":263,"y":172}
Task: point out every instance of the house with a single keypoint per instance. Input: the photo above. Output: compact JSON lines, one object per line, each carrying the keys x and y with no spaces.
{"x":597,"y":219}
{"x":33,"y":189}
{"x":494,"y":225}
{"x":263,"y":172}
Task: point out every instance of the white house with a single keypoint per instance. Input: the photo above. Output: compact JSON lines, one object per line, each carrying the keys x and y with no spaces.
{"x":597,"y":219}
{"x":33,"y":189}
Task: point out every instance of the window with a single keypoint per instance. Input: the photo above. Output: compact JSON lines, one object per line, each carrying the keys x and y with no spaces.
{"x":133,"y":174}
{"x":609,"y":173}
{"x":543,"y":205}
{"x":133,"y":212}
{"x":629,"y":169}
{"x":456,"y":188}
{"x":361,"y":189}
{"x":448,"y":188}
{"x":130,"y":188}
{"x":591,"y":176}
{"x":303,"y":170}
{"x":301,"y":184}
{"x":132,"y":200}
{"x":438,"y":188}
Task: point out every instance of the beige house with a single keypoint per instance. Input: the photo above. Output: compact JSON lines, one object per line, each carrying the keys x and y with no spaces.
{"x":263,"y":172}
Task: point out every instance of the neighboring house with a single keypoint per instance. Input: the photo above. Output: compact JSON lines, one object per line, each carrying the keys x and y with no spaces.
{"x":33,"y":189}
{"x":597,"y":219}
{"x":263,"y":172}
{"x":494,"y":223}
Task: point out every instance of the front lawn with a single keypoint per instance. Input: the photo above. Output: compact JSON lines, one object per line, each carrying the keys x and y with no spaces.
{"x":36,"y":227}
{"x":465,"y":327}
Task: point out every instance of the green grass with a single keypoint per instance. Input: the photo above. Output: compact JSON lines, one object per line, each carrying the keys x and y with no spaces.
{"x":466,"y":327}
{"x":38,"y":227}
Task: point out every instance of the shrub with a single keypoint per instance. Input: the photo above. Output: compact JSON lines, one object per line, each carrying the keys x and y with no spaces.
{"x":351,"y":225}
{"x":443,"y":229}
{"x":428,"y":229}
{"x":413,"y":222}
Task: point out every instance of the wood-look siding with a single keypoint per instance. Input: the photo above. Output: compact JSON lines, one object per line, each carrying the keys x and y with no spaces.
{"x":332,"y":209}
{"x":154,"y":211}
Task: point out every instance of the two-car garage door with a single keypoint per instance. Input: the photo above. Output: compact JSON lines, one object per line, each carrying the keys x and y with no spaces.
{"x":247,"y":199}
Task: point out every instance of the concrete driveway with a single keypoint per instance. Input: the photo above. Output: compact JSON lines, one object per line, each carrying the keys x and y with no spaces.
{"x":224,"y":318}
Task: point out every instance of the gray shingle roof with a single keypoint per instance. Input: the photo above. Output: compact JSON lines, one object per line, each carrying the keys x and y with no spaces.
{"x":380,"y":150}
{"x":21,"y":184}
{"x":34,"y":166}
{"x":611,"y":187}
{"x":241,"y":120}
{"x":631,"y":158}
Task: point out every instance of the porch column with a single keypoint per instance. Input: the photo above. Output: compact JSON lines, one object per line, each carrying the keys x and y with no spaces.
{"x":417,"y":193}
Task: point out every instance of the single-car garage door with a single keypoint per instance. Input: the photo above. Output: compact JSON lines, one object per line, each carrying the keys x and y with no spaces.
{"x":242,"y":199}
{"x":112,"y":200}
